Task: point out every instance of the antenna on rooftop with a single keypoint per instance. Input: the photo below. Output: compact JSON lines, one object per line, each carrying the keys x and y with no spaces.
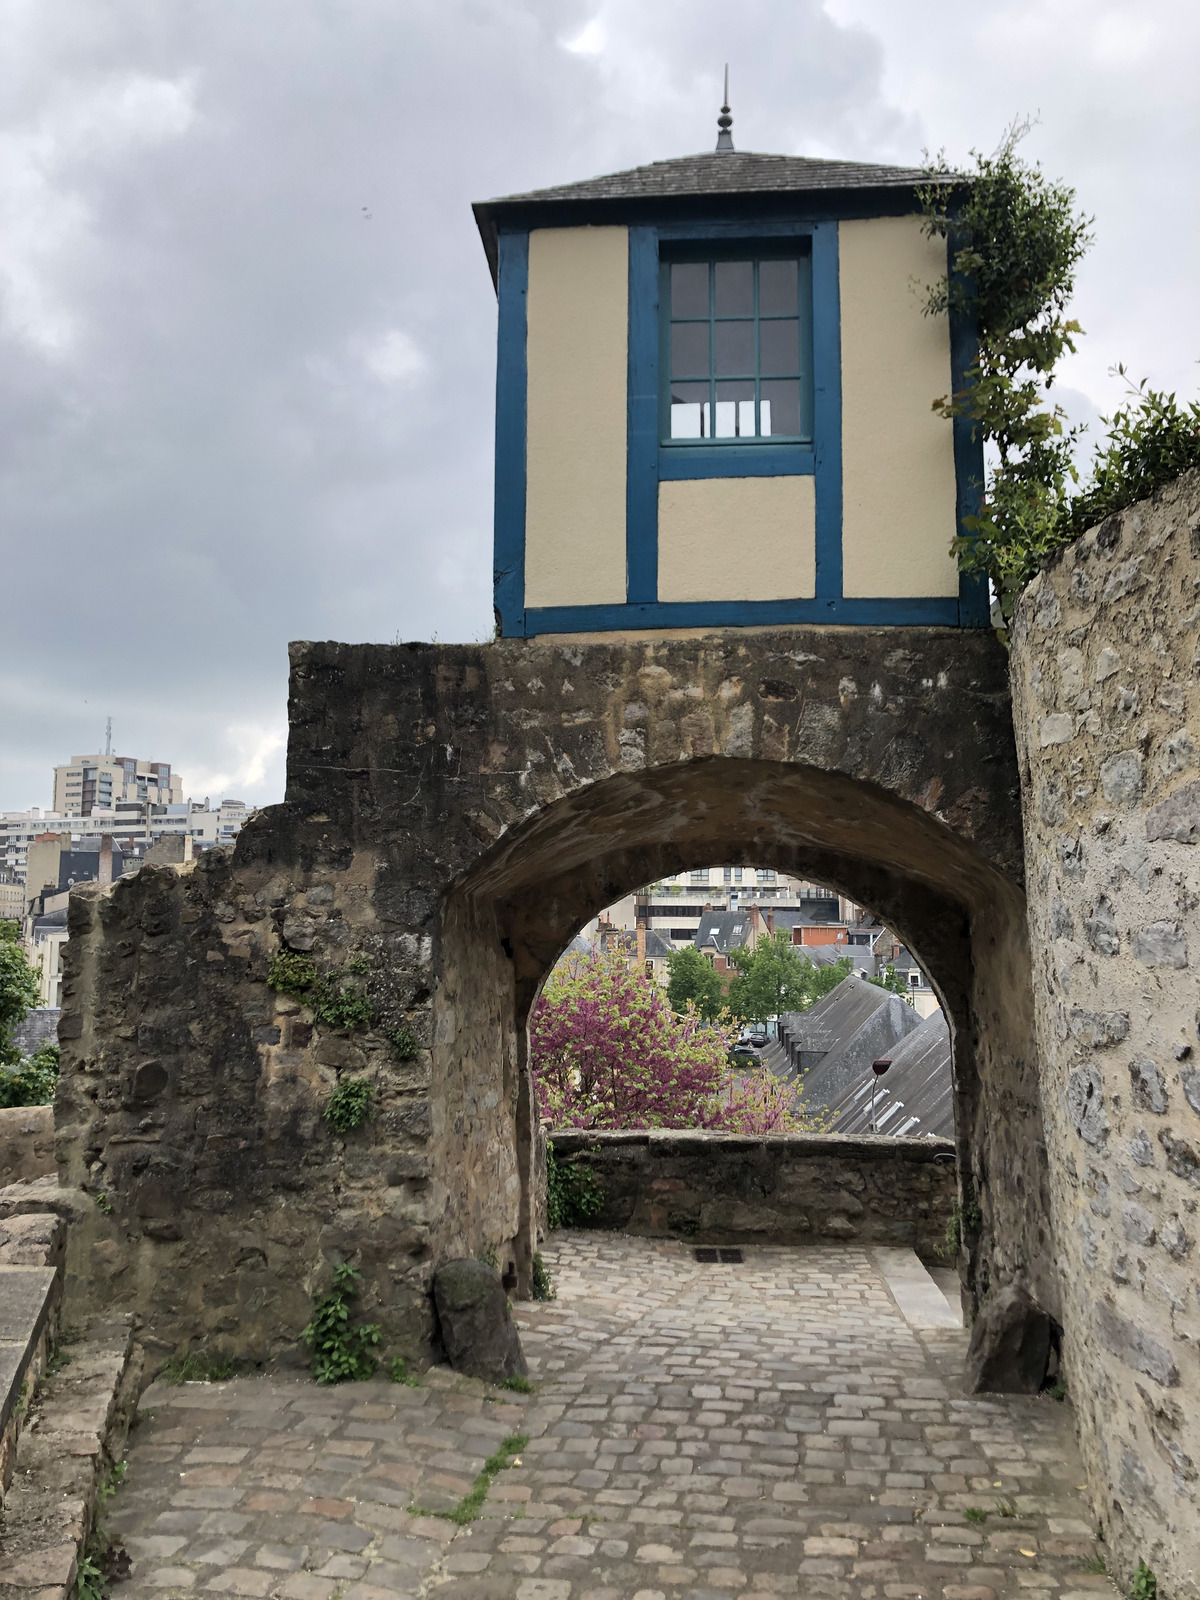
{"x":108,"y":737}
{"x":725,"y":121}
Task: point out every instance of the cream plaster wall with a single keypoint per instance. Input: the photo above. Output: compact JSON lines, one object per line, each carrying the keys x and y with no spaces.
{"x":737,"y":539}
{"x":577,"y":354}
{"x":897,"y":456}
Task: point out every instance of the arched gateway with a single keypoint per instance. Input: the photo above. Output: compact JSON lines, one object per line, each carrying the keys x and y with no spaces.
{"x":453,"y":814}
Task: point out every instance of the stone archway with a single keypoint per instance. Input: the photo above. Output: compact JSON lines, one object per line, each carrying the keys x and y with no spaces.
{"x":453,"y":813}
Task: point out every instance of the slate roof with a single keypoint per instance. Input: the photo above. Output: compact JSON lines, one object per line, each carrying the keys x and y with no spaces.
{"x":658,"y":947}
{"x":723,"y":931}
{"x":849,"y":1060}
{"x":726,"y":174}
{"x":914,"y":1098}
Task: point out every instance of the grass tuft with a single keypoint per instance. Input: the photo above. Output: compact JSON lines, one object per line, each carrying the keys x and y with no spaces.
{"x":469,"y":1507}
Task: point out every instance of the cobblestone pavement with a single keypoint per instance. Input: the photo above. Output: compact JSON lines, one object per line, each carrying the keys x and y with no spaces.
{"x":707,"y":1432}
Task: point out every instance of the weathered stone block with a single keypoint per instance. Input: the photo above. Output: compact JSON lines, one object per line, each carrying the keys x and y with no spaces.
{"x":475,"y":1321}
{"x":1010,"y":1346}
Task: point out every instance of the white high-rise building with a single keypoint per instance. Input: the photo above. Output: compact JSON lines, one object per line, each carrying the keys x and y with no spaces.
{"x":96,"y":783}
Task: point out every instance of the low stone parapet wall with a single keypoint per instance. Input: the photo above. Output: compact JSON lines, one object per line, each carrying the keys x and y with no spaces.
{"x":717,"y":1188}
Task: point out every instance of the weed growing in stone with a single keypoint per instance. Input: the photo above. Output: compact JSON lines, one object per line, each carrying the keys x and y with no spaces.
{"x":359,"y":965}
{"x":1058,"y":1391}
{"x":572,"y":1194}
{"x":976,"y":1514}
{"x":196,"y":1366}
{"x":341,"y":1351}
{"x":349,"y":1105}
{"x":1006,"y":1508}
{"x":104,"y":1204}
{"x":1095,"y":1564}
{"x":542,"y":1284}
{"x":469,"y":1507}
{"x":104,"y":1560}
{"x":1145,"y":1584}
{"x":340,"y":1004}
{"x":290,"y":973}
{"x":517,"y":1384}
{"x":404,"y":1043}
{"x":398,"y":1372}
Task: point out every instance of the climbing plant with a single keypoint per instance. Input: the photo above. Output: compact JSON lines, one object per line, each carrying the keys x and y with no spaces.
{"x":1015,"y":240}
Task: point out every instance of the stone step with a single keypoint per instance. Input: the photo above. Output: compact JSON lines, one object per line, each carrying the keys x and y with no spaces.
{"x":74,"y":1434}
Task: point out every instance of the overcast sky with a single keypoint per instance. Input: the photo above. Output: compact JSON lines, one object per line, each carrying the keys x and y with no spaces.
{"x":249,"y":331}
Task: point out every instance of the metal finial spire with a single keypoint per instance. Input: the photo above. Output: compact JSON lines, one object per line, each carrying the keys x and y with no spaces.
{"x":725,"y":121}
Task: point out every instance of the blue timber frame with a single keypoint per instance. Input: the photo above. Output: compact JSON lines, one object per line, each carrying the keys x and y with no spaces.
{"x":648,"y":462}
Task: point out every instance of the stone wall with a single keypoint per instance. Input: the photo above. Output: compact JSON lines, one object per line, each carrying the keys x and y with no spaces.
{"x":26,"y":1143}
{"x":454,"y":814}
{"x":1105,"y":661}
{"x":720,"y":1188}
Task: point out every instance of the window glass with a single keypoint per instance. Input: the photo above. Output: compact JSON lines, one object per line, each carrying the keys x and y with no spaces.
{"x":737,"y":349}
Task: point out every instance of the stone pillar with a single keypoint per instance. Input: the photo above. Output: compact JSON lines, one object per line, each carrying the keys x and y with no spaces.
{"x":1105,"y":659}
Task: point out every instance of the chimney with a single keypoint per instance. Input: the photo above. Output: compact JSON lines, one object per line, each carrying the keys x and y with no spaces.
{"x":641,"y":944}
{"x":105,"y":874}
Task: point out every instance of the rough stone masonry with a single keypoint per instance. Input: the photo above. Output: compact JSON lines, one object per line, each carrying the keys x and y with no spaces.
{"x":1106,"y":660}
{"x":453,"y":815}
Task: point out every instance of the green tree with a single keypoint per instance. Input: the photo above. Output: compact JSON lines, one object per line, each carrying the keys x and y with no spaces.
{"x":18,"y":990}
{"x":776,"y":977}
{"x":695,"y":979}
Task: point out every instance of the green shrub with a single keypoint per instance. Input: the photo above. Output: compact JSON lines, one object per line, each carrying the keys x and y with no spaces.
{"x":34,"y":1081}
{"x":349,"y":1105}
{"x":404,"y":1042}
{"x":290,"y":973}
{"x":572,"y":1194}
{"x":398,"y":1372}
{"x":339,"y":1003}
{"x":341,"y":1351}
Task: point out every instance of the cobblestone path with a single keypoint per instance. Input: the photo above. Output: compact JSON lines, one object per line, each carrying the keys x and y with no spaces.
{"x":707,"y":1432}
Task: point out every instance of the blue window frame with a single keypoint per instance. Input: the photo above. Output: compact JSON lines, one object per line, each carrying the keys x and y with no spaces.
{"x":735,"y":356}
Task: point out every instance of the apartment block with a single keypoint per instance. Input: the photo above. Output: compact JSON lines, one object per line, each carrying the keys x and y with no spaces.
{"x":97,"y":782}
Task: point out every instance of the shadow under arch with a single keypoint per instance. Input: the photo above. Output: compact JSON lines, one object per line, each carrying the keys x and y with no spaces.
{"x":961,"y":915}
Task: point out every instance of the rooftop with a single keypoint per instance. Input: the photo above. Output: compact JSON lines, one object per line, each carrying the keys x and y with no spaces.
{"x":729,"y":175}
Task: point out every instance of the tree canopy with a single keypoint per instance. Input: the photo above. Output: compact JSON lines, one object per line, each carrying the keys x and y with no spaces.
{"x":776,"y":976}
{"x":694,"y":980}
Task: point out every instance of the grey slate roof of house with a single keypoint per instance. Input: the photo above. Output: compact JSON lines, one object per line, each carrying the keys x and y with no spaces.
{"x":849,"y":1060}
{"x":722,"y":931}
{"x":658,"y":947}
{"x":726,"y":174}
{"x":836,"y":1015}
{"x":914,"y":1098}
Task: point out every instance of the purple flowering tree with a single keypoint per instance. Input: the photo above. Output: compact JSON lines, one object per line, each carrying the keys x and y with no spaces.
{"x":607,"y":1051}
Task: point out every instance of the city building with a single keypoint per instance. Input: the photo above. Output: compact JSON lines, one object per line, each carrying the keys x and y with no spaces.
{"x":99,"y":782}
{"x":12,"y":896}
{"x":134,"y":825}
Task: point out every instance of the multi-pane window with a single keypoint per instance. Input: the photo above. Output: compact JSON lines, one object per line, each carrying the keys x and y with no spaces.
{"x":737,"y":349}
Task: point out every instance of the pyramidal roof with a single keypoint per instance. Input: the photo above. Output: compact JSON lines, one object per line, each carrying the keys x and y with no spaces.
{"x":725,"y":172}
{"x":734,"y":175}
